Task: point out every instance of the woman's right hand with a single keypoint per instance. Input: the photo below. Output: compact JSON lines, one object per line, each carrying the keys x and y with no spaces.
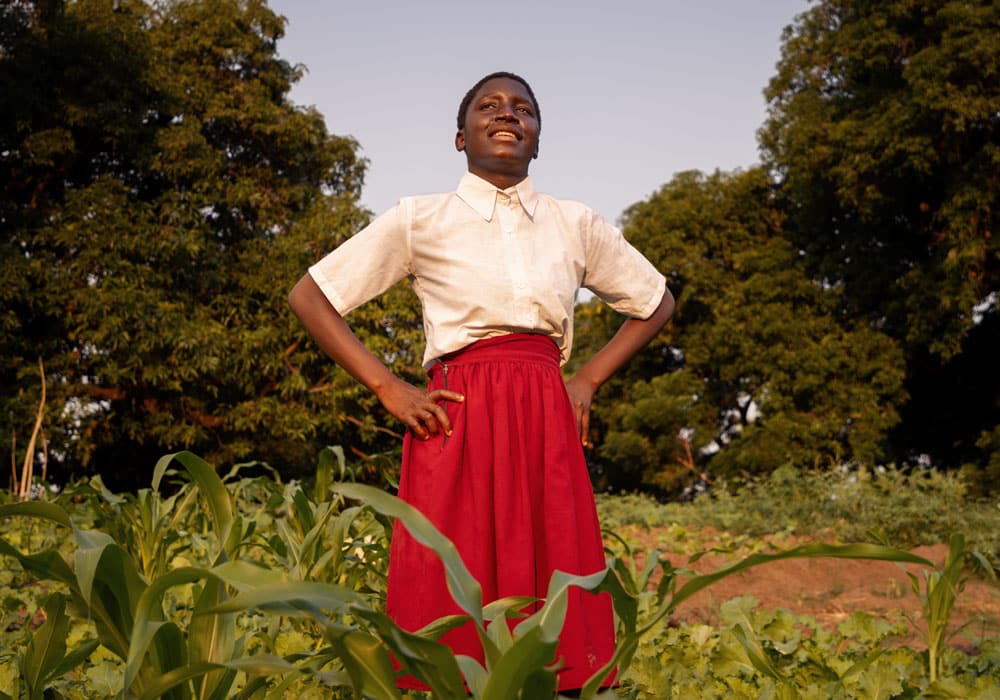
{"x":419,"y":410}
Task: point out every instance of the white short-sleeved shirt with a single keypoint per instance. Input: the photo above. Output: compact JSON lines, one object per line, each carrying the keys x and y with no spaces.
{"x":486,"y":262}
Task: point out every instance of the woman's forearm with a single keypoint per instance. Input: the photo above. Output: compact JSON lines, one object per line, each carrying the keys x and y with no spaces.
{"x":328,"y":328}
{"x":418,"y":409}
{"x":630,"y":338}
{"x":633,"y":335}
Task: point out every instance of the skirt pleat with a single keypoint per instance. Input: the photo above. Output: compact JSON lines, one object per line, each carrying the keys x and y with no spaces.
{"x":510,"y":488}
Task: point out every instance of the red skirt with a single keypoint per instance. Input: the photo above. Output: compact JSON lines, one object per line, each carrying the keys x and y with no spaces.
{"x":510,"y":488}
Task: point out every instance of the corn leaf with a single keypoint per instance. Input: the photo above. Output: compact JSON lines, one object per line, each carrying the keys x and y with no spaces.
{"x":464,"y":589}
{"x":110,"y":587}
{"x":37,"y":509}
{"x":170,"y":654}
{"x":431,"y":662}
{"x":475,"y":675}
{"x":296,"y":597}
{"x":219,"y":501}
{"x":46,"y":565}
{"x":47,"y":647}
{"x":212,"y":637}
{"x":529,"y":656}
{"x":812,"y":550}
{"x":149,"y":617}
{"x":436,"y":628}
{"x":244,"y":575}
{"x":368,"y":665}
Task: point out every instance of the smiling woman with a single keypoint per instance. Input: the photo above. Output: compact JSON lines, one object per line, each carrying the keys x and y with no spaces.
{"x":493,"y":455}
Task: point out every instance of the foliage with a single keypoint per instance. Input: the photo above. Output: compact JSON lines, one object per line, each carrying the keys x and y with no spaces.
{"x":883,"y":133}
{"x":756,"y":369}
{"x":772,"y":653}
{"x":907,"y":508}
{"x":160,"y":195}
{"x":259,"y":589}
{"x":937,"y":598}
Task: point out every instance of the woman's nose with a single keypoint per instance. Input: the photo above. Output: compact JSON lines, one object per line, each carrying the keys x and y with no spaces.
{"x":506,"y":112}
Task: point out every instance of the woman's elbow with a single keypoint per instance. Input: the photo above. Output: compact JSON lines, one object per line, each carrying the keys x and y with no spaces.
{"x":667,"y":305}
{"x":298,"y":297}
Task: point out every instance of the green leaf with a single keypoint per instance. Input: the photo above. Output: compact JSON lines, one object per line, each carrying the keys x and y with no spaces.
{"x":109,"y":586}
{"x":75,"y":658}
{"x":164,"y":684}
{"x":528,"y":657}
{"x":476,"y":676}
{"x":324,"y":471}
{"x":244,"y":575}
{"x":756,"y":653}
{"x":212,"y":637}
{"x":427,"y":660}
{"x":435,"y":628}
{"x":216,"y":496}
{"x":540,"y":685}
{"x":294,"y":597}
{"x":551,"y":617}
{"x":47,"y":646}
{"x":149,"y":618}
{"x":37,"y":509}
{"x":170,"y":655}
{"x":509,"y":607}
{"x":464,"y":589}
{"x":880,"y":682}
{"x":368,"y":664}
{"x":47,"y":565}
{"x":812,"y":550}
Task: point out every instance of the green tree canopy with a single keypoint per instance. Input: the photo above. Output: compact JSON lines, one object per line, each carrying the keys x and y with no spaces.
{"x":160,"y":196}
{"x":883,"y":131}
{"x":756,"y":370}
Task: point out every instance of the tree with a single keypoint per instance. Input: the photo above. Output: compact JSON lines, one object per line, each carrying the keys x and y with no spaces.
{"x":883,"y":132}
{"x":756,"y":370}
{"x":160,"y":196}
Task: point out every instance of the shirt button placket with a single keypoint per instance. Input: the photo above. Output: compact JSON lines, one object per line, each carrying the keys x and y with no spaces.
{"x":518,"y":268}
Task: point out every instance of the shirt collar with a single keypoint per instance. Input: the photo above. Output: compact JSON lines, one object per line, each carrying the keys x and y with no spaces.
{"x":482,"y":195}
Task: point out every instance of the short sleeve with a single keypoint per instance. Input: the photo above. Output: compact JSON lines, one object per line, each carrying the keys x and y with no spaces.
{"x":368,"y":263}
{"x":619,"y":274}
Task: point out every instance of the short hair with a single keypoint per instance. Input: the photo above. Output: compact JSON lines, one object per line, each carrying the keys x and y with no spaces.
{"x":464,"y":106}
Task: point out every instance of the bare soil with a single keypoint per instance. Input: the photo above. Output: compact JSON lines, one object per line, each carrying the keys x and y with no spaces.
{"x":829,"y":590}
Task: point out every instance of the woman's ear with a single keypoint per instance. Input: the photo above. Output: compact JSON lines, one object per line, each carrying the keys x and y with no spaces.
{"x":460,"y":140}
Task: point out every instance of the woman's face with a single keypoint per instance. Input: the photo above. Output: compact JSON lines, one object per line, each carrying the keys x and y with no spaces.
{"x":501,"y":132}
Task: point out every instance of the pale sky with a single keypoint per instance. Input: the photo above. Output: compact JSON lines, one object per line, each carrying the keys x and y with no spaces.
{"x":630,"y":91}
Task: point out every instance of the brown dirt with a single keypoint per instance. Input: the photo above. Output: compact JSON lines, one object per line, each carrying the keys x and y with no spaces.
{"x":829,"y":590}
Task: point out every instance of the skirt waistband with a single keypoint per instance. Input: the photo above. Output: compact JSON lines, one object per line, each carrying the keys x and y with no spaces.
{"x":516,"y":347}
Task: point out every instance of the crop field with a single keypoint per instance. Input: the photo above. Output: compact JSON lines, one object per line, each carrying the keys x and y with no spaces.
{"x":204,"y":586}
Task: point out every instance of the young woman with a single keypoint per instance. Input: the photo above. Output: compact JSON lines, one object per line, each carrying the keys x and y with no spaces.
{"x":493,"y":453}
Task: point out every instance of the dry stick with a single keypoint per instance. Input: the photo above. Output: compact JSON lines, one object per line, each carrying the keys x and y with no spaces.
{"x":688,"y":462}
{"x":45,"y":457}
{"x":29,"y":457}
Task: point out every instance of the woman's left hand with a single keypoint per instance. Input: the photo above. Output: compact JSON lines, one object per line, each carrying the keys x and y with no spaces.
{"x":632,"y":336}
{"x":581,"y":394}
